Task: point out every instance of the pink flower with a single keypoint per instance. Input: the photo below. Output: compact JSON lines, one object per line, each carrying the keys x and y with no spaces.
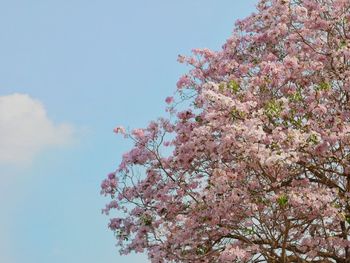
{"x":230,"y":168}
{"x":169,"y":100}
{"x":138,"y":133}
{"x":111,"y":176}
{"x":119,"y":129}
{"x":184,"y":81}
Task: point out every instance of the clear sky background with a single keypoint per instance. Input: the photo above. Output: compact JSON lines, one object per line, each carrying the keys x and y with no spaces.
{"x":70,"y":71}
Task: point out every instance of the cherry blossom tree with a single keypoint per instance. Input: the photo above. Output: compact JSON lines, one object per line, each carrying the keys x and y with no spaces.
{"x":256,"y":167}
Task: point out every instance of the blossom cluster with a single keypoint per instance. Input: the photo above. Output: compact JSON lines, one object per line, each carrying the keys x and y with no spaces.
{"x":257,"y":167}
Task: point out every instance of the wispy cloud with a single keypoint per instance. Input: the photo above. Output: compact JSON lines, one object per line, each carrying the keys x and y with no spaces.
{"x":26,"y":130}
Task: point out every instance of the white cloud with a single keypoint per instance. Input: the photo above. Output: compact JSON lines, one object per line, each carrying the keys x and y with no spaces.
{"x":26,"y":130}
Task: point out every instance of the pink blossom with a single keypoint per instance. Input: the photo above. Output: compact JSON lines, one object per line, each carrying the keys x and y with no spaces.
{"x":139,"y":133}
{"x":255,"y":164}
{"x":184,"y":81}
{"x":169,"y":100}
{"x":119,"y":129}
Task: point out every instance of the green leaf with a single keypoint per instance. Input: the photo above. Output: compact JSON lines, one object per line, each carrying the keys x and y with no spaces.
{"x":342,"y":44}
{"x":146,"y":220}
{"x":296,"y":96}
{"x":274,"y":146}
{"x":323,"y":86}
{"x":236,"y":114}
{"x":249,"y":231}
{"x":221,"y":87}
{"x":198,"y":119}
{"x":313,"y":139}
{"x":202,"y":250}
{"x":233,"y":86}
{"x":282,"y":200}
{"x":273,"y":109}
{"x":347,"y":218}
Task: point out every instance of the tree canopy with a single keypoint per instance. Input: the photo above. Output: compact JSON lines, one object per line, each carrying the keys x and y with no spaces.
{"x":257,"y":167}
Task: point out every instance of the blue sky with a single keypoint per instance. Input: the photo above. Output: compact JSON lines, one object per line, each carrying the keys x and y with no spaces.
{"x":70,"y":71}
